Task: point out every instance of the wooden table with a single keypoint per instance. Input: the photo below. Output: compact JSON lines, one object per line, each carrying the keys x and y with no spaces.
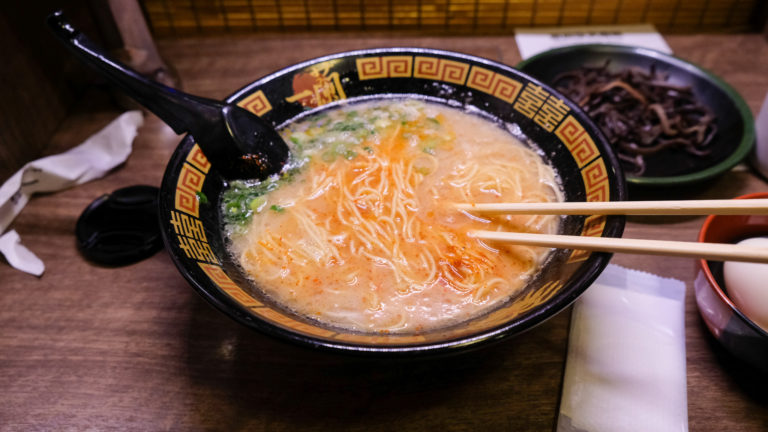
{"x":87,"y":347}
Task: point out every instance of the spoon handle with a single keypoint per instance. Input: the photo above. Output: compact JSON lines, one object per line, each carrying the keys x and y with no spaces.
{"x":181,"y":111}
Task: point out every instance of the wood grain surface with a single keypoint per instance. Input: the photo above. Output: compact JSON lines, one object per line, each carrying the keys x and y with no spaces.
{"x":86,"y":347}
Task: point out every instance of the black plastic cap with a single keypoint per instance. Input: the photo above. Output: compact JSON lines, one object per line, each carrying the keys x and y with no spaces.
{"x":120,"y":228}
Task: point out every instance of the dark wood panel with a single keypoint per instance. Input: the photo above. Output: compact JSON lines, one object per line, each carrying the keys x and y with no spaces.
{"x":40,"y":81}
{"x":445,"y":17}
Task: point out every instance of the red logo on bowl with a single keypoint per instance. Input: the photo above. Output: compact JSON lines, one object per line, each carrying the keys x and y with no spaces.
{"x":317,"y":85}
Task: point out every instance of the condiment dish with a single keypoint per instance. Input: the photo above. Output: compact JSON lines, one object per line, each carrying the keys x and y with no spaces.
{"x":736,"y":332}
{"x":735,"y":135}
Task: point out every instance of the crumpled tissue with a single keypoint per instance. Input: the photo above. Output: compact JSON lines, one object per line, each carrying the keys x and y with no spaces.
{"x":90,"y":160}
{"x":626,"y":367}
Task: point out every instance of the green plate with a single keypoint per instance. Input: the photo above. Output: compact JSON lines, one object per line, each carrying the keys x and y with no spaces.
{"x":736,"y":134}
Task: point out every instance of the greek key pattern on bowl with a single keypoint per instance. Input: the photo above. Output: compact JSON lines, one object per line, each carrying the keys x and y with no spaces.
{"x":188,"y":188}
{"x":495,"y":84}
{"x":593,"y":227}
{"x":578,"y":141}
{"x":217,"y":276}
{"x":596,"y":183}
{"x":256,"y":103}
{"x":384,"y":67}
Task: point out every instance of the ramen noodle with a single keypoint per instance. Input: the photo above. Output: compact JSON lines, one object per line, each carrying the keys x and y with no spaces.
{"x":359,"y":231}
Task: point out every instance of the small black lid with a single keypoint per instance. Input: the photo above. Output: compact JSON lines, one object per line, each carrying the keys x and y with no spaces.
{"x":122,"y":227}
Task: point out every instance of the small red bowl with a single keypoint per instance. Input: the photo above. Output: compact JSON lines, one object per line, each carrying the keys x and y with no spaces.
{"x":732,"y":329}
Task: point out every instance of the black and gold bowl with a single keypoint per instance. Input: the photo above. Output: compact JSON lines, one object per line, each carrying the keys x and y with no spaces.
{"x":588,"y":170}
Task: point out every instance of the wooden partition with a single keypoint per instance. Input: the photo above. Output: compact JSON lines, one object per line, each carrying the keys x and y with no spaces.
{"x":182,"y":17}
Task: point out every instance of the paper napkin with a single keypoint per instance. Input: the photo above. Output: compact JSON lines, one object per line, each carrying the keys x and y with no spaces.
{"x":532,"y":41}
{"x":625,"y":369}
{"x":92,"y":159}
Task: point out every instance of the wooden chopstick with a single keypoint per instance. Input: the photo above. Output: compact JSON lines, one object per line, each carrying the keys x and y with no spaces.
{"x":690,"y":207}
{"x":708,"y":251}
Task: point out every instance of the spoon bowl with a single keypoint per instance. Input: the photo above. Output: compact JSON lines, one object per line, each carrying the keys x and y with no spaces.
{"x":238,"y":142}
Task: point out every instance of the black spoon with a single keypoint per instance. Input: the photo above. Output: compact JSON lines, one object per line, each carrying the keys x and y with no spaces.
{"x":238,"y":143}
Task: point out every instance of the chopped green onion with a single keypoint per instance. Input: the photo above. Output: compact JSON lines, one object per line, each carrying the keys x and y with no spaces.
{"x":257,"y":203}
{"x":346,"y":127}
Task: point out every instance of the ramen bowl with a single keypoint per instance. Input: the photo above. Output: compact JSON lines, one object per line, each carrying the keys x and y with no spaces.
{"x":734,"y":331}
{"x":565,"y":138}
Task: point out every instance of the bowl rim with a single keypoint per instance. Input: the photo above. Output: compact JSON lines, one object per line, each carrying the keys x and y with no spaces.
{"x":614,"y":227}
{"x":712,"y":282}
{"x":745,"y":113}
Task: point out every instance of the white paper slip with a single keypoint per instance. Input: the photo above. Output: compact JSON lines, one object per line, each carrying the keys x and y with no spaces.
{"x":19,"y":256}
{"x":626,"y":367}
{"x":532,"y":41}
{"x":92,"y":159}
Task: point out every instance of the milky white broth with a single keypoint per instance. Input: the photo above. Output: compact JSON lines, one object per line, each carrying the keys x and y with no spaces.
{"x":363,"y":234}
